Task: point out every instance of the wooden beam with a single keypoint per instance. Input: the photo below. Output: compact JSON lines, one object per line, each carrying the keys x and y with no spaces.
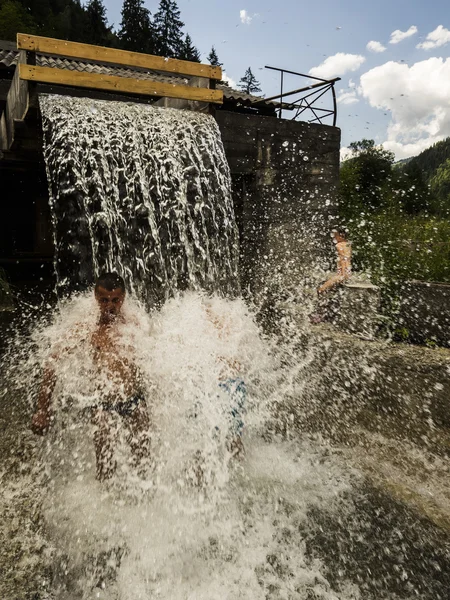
{"x":16,"y":104}
{"x":3,"y":133}
{"x":113,"y":83}
{"x":88,"y":52}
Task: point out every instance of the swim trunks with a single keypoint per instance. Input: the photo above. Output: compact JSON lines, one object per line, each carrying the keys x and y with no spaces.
{"x":124,"y":409}
{"x":237,"y":391}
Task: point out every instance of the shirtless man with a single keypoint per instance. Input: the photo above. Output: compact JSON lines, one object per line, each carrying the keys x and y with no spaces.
{"x":231,"y":382}
{"x":343,"y":273}
{"x":344,"y":268}
{"x":121,"y":399}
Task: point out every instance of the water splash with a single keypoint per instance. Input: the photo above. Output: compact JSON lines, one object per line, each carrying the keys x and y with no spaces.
{"x":163,"y":534}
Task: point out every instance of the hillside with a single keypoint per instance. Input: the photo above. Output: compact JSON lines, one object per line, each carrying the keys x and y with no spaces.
{"x":431,"y":159}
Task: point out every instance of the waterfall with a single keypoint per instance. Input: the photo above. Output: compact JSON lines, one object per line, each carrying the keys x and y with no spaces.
{"x":142,"y":190}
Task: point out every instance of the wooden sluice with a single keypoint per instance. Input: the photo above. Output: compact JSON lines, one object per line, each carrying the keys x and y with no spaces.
{"x":148,"y":78}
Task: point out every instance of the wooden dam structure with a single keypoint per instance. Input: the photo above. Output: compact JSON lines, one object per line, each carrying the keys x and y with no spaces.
{"x":139,"y":77}
{"x":284,"y":172}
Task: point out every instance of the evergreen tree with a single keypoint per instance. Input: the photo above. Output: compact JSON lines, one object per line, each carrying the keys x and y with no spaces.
{"x":249,"y":83}
{"x":136,"y":31}
{"x":213,"y":59}
{"x":168,"y":29}
{"x":70,"y":23}
{"x":440,"y":187}
{"x":98,"y":31}
{"x":41,"y":13}
{"x":189,"y":51}
{"x":14,"y":18}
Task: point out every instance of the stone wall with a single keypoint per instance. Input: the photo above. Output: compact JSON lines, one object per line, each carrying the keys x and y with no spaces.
{"x":285,"y":176}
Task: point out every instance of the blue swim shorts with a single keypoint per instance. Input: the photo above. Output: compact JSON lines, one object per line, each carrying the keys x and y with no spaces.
{"x":237,"y":392}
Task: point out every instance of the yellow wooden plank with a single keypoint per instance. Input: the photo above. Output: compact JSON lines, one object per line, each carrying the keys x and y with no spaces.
{"x":111,"y":83}
{"x":89,"y":52}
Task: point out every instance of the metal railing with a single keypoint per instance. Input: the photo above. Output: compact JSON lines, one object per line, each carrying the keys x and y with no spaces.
{"x":308,"y":99}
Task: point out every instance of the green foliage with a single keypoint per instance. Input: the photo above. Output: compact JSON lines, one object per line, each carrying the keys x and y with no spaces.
{"x":401,"y":334}
{"x":14,"y":18}
{"x":70,"y":20}
{"x":370,"y":181}
{"x":188,"y":51}
{"x":249,"y":83}
{"x":213,"y":59}
{"x":70,"y":24}
{"x":397,"y":230}
{"x":168,"y":29}
{"x":41,"y":12}
{"x":136,"y":32}
{"x":430,"y":159}
{"x":414,"y":193}
{"x":394,"y":247}
{"x":364,"y":174}
{"x":440,"y":187}
{"x":98,"y":31}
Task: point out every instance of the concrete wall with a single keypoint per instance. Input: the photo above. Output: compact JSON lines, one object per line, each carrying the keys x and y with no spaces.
{"x":425,"y":312}
{"x":285,"y":176}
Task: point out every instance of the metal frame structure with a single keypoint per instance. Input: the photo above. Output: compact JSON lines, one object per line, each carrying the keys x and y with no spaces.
{"x":310,"y":95}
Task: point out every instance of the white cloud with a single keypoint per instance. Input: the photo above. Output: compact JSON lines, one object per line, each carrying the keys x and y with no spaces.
{"x":347,"y":97}
{"x":375,"y":46}
{"x":336,"y":65}
{"x":345,"y":153}
{"x":228,"y":80}
{"x":398,"y":36}
{"x":246,"y":19}
{"x":417,"y":98}
{"x":439,"y":37}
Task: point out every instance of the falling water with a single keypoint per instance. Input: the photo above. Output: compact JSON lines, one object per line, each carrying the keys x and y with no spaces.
{"x":142,"y":190}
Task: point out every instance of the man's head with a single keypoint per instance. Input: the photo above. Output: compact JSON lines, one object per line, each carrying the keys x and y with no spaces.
{"x":339,"y":234}
{"x":109,"y":294}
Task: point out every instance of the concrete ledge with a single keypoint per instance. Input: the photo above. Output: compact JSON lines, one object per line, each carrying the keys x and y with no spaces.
{"x":401,"y":392}
{"x":359,"y":312}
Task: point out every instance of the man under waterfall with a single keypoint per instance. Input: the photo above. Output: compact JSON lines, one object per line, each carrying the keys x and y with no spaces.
{"x":117,"y":380}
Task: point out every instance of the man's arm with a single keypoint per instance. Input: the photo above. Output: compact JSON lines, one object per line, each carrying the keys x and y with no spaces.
{"x":333,"y":281}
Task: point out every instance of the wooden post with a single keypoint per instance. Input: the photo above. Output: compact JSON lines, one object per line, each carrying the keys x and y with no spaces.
{"x":16,"y":103}
{"x":212,"y":107}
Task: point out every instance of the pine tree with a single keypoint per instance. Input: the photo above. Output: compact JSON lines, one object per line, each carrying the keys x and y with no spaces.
{"x":71,"y":23}
{"x":168,"y":29}
{"x":249,"y":83}
{"x":189,"y":51}
{"x":14,"y":18}
{"x":98,"y":31}
{"x":213,"y":59}
{"x":136,"y":31}
{"x":41,"y":12}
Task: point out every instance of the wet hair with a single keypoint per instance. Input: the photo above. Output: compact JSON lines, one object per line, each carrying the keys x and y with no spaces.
{"x":110,"y":281}
{"x":341,"y":231}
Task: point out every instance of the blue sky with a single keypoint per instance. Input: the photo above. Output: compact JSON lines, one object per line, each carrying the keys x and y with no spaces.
{"x":399,"y":96}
